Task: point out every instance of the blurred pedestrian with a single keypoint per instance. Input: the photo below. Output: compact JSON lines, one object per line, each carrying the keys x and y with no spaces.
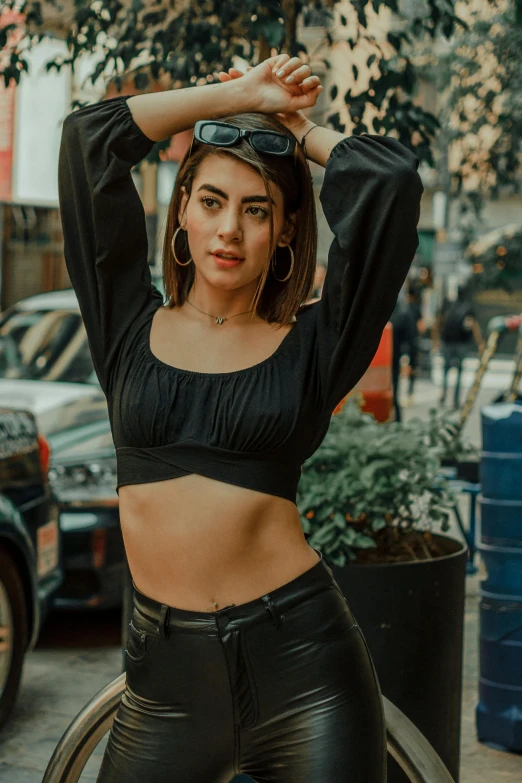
{"x":458,"y":329}
{"x":404,"y":334}
{"x":414,"y":305}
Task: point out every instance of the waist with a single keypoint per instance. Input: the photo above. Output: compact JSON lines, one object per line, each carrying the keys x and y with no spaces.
{"x":193,"y":540}
{"x":271,"y":605}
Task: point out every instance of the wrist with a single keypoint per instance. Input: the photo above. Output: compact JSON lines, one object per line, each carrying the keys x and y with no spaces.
{"x":301,"y":130}
{"x":239,"y":98}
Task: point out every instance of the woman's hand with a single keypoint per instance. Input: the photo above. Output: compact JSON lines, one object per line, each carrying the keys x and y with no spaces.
{"x":274,"y":95}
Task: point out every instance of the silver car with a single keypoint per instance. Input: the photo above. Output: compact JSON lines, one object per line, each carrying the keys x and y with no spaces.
{"x":46,"y":367}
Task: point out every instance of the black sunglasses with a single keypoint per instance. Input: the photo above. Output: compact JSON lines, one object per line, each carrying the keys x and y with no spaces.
{"x":221,"y":134}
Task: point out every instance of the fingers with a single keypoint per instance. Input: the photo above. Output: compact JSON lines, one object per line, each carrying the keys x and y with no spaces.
{"x":287,"y":67}
{"x":293,"y":71}
{"x":310,"y":83}
{"x":309,"y":99}
{"x":233,"y":73}
{"x":278,"y":61}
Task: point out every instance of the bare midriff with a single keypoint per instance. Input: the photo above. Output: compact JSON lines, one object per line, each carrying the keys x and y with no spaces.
{"x":196,"y":543}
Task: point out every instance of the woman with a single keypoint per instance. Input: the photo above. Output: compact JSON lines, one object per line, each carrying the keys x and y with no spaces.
{"x":242,"y":655}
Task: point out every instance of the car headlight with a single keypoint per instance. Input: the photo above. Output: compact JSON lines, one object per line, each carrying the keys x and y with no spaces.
{"x":88,"y":481}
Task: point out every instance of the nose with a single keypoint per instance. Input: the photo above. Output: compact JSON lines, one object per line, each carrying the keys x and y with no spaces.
{"x":230,"y":228}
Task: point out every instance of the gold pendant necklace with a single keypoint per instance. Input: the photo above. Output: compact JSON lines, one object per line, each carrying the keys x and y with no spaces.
{"x":219,"y":319}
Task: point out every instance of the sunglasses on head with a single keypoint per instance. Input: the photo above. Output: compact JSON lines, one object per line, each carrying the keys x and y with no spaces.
{"x":221,"y":134}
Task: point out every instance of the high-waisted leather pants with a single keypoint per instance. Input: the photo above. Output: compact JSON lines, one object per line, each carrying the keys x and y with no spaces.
{"x":281,"y":688}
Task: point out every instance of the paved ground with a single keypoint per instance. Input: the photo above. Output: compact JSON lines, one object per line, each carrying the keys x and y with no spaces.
{"x":78,"y":654}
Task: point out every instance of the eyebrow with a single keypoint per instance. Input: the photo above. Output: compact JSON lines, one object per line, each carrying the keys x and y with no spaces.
{"x":244,"y":200}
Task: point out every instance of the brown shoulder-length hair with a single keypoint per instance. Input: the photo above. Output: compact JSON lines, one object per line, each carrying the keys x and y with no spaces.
{"x":274,"y":301}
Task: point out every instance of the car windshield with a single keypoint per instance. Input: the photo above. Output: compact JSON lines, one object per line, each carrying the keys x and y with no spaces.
{"x":45,"y":345}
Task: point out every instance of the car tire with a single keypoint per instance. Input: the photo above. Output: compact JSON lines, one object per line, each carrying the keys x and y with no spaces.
{"x":13,"y":633}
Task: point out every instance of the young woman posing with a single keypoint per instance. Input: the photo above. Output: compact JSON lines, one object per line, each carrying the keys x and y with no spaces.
{"x":242,"y":654}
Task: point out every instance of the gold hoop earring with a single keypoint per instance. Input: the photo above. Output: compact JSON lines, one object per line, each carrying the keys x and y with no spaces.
{"x":174,"y":252}
{"x":289,"y":275}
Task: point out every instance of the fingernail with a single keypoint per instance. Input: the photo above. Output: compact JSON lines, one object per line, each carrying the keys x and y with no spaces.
{"x":281,"y":73}
{"x":289,"y":79}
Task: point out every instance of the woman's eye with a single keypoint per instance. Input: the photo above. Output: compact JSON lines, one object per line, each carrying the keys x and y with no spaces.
{"x":259,"y":213}
{"x":205,"y":201}
{"x":263,"y":212}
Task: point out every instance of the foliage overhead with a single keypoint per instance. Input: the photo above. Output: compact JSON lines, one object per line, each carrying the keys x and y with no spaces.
{"x":480,"y":75}
{"x":368,"y":476}
{"x":497,"y":258}
{"x":186,"y":43}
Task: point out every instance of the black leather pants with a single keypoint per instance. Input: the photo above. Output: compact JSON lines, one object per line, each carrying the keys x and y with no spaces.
{"x":281,"y":688}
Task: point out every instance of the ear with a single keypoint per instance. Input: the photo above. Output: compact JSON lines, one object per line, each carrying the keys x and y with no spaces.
{"x":289,"y":230}
{"x":182,"y":204}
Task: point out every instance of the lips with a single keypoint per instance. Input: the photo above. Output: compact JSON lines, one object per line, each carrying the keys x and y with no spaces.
{"x":225,"y":263}
{"x":228,"y":255}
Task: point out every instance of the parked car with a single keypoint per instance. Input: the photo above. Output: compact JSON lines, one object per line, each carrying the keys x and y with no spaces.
{"x":46,"y":367}
{"x":30,"y":566}
{"x":42,"y":338}
{"x":83,"y":476}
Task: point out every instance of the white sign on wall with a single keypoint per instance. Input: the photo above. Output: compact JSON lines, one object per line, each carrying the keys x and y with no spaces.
{"x":42,"y":103}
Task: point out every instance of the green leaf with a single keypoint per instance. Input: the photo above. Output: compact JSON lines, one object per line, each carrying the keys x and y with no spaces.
{"x":367,"y":473}
{"x":364,"y":542}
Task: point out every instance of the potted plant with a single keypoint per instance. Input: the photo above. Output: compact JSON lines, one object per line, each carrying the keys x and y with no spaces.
{"x":373,"y":500}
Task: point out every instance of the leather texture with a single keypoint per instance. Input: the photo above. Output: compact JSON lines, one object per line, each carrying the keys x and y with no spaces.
{"x":281,"y":688}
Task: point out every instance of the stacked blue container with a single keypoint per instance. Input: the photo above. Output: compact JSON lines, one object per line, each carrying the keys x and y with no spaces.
{"x":499,"y":711}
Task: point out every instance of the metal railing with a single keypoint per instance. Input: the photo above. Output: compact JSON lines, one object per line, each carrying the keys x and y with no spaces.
{"x":406,"y":744}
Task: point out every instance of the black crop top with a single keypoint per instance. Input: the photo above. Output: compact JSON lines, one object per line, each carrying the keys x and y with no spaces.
{"x":254,"y":427}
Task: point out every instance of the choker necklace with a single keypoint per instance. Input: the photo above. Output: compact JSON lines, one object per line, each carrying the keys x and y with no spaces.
{"x":219,"y":318}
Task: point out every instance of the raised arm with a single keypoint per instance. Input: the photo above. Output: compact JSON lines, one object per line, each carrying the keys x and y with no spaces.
{"x":371,"y":200}
{"x":105,"y":239}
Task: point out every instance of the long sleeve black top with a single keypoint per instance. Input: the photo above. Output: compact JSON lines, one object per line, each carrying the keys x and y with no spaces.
{"x":254,"y":427}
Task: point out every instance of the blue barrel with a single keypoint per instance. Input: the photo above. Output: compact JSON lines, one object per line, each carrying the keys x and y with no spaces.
{"x":502,"y":427}
{"x":499,"y":711}
{"x":504,"y":571}
{"x":501,"y":462}
{"x":501,"y":475}
{"x":500,"y":520}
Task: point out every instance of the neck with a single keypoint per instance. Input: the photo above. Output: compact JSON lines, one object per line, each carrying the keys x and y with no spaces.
{"x":223,"y":303}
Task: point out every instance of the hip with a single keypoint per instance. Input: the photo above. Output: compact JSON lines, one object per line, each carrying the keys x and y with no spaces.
{"x":299,"y":639}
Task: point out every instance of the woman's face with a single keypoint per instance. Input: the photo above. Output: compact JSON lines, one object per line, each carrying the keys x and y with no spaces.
{"x":228,"y":210}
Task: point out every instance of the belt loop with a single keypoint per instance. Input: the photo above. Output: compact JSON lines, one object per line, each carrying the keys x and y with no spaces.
{"x":269,"y":606}
{"x":164,"y":618}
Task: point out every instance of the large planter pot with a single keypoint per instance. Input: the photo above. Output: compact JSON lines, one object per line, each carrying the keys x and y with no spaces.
{"x":412,"y":616}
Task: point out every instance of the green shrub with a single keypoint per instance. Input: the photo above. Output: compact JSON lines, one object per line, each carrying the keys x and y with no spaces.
{"x":367,"y":476}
